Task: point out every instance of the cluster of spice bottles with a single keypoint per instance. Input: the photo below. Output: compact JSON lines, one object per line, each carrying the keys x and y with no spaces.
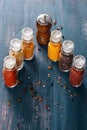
{"x":74,"y":64}
{"x":58,"y":51}
{"x":19,"y":51}
{"x":63,"y":52}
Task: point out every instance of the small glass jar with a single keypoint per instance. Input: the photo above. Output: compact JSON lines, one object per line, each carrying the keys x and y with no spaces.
{"x":28,"y":43}
{"x":66,"y":56}
{"x":10,"y":71}
{"x":54,"y":46}
{"x":77,"y":70}
{"x":15,"y":50}
{"x":43,"y":23}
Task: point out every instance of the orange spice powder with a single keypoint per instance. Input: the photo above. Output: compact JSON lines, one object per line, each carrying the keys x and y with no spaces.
{"x":28,"y":49}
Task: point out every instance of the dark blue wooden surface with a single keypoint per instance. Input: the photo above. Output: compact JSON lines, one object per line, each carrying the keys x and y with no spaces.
{"x":62,"y":108}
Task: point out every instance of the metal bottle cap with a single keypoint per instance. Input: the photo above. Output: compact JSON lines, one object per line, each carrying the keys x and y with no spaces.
{"x":68,"y":46}
{"x":27,"y":34}
{"x":79,"y":61}
{"x":15,"y":45}
{"x":56,"y":35}
{"x":44,"y":19}
{"x":9,"y":62}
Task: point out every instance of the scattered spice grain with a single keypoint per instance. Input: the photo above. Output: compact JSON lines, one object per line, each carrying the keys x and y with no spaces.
{"x":9,"y":103}
{"x":49,"y":75}
{"x":40,"y":99}
{"x":49,"y":67}
{"x":39,"y":82}
{"x":19,"y":99}
{"x":39,"y":49}
{"x":47,"y":107}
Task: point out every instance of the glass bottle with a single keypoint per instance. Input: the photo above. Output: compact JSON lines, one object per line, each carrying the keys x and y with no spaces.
{"x":10,"y":71}
{"x":28,"y":43}
{"x":54,"y":46}
{"x":77,"y":70}
{"x":15,"y":50}
{"x":43,"y":24}
{"x":66,"y":56}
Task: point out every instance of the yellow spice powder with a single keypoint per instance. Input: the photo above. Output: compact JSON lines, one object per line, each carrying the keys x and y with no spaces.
{"x":54,"y":50}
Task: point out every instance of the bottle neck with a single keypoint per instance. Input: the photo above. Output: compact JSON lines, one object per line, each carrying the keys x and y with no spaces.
{"x":55,"y":42}
{"x":67,"y":53}
{"x":28,"y":41}
{"x":12,"y":69}
{"x":15,"y":51}
{"x":78,"y":69}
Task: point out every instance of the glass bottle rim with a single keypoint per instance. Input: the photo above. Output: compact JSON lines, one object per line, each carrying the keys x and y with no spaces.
{"x":41,"y":18}
{"x":79,"y":62}
{"x":15,"y":45}
{"x":9,"y":62}
{"x":27,"y":33}
{"x":56,"y":36}
{"x":68,"y":46}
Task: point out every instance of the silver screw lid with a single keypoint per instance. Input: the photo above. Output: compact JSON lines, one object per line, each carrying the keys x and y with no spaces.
{"x":44,"y":18}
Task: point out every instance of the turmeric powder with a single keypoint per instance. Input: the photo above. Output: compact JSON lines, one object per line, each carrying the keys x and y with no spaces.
{"x":54,"y":51}
{"x":54,"y":46}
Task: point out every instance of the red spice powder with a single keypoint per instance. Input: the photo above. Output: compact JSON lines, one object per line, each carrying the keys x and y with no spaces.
{"x":76,"y":76}
{"x":10,"y":77}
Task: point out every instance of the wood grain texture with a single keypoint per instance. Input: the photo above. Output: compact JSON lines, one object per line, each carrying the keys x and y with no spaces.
{"x":59,"y":106}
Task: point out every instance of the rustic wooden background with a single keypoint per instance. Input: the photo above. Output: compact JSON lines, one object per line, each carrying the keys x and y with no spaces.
{"x":59,"y":106}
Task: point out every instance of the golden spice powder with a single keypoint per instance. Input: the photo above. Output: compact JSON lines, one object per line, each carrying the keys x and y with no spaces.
{"x":15,"y":50}
{"x":28,"y":49}
{"x":28,"y":43}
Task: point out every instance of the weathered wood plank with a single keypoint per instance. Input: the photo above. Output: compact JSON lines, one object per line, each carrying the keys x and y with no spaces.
{"x":58,"y":107}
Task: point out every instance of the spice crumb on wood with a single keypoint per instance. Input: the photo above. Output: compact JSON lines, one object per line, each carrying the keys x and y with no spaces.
{"x":39,"y":49}
{"x":49,"y":67}
{"x":40,"y":98}
{"x":49,"y":75}
{"x":19,"y":99}
{"x":9,"y":103}
{"x":39,"y":82}
{"x":47,"y":107}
